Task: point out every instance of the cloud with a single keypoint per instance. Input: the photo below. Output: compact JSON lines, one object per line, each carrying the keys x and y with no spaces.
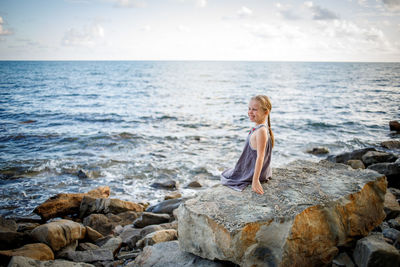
{"x":286,"y":12}
{"x":320,"y":13}
{"x":183,"y":28}
{"x":129,"y":3}
{"x":2,"y":30}
{"x":244,"y":12}
{"x":392,"y":5}
{"x":88,"y":36}
{"x":146,"y":28}
{"x":201,"y":3}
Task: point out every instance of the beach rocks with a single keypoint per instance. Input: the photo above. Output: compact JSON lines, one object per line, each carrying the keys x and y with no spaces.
{"x":344,"y":157}
{"x":373,"y":157}
{"x":318,"y":151}
{"x":100,"y":223}
{"x":157,"y":237}
{"x":374,"y":251}
{"x":19,"y":261}
{"x":90,"y":255}
{"x":168,"y":184}
{"x":394,"y":126}
{"x":166,"y":206}
{"x":391,"y":206}
{"x":391,"y":144}
{"x":356,"y":164}
{"x":37,"y":251}
{"x":194,"y":184}
{"x":391,"y":170}
{"x":91,"y":205}
{"x":92,"y":235}
{"x":64,"y":204}
{"x":148,"y":218}
{"x":308,"y":209}
{"x":59,"y":234}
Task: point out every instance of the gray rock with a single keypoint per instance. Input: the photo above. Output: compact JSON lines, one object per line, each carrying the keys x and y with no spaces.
{"x":391,"y":170}
{"x":344,"y":157}
{"x":343,"y":260}
{"x":318,"y":151}
{"x":356,"y":164}
{"x":374,"y":251}
{"x":391,"y":144}
{"x":90,"y":255}
{"x":307,"y":211}
{"x":100,"y":223}
{"x":394,"y":223}
{"x":148,"y":218}
{"x":128,"y":233}
{"x":64,"y":250}
{"x":168,"y":184}
{"x":8,"y":225}
{"x":395,"y":191}
{"x":90,"y":205}
{"x":11,"y":240}
{"x":127,"y":255}
{"x":166,"y":206}
{"x":392,"y":234}
{"x":113,"y":244}
{"x":168,"y":254}
{"x":373,"y":157}
{"x":87,"y":246}
{"x":19,"y":261}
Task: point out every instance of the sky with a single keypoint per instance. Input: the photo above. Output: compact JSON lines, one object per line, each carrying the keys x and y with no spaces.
{"x":252,"y":30}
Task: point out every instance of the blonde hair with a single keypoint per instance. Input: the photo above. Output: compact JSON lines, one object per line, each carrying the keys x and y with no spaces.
{"x":265,"y":104}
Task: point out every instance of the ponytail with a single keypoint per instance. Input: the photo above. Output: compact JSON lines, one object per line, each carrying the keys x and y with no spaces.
{"x":265,"y":104}
{"x":271,"y":134}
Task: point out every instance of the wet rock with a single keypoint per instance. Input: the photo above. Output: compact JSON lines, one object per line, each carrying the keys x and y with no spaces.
{"x":81,"y":174}
{"x":194,"y":184}
{"x":91,"y":205}
{"x":8,"y":225}
{"x":90,"y":255}
{"x":373,"y":157}
{"x":148,"y":218}
{"x":391,"y":206}
{"x":344,"y":157}
{"x":394,"y":126}
{"x":342,"y":260}
{"x":356,"y":164}
{"x":66,"y":204}
{"x":392,"y":234}
{"x":169,"y":184}
{"x":391,"y":170}
{"x":168,"y":254}
{"x":92,"y":235}
{"x":37,"y":251}
{"x":19,"y":261}
{"x":157,"y":237}
{"x":391,"y":144}
{"x":307,"y":211}
{"x":173,"y":196}
{"x":87,"y":246}
{"x":318,"y":151}
{"x":166,"y":206}
{"x":59,"y":234}
{"x":100,"y":223}
{"x":374,"y":251}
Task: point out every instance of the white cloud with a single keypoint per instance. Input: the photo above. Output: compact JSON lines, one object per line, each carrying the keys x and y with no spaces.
{"x":129,"y":3}
{"x":88,"y":36}
{"x":2,"y":30}
{"x":320,"y":13}
{"x":201,"y":3}
{"x":146,"y":28}
{"x":287,"y":12}
{"x":244,"y":12}
{"x":183,"y":28}
{"x":392,"y":5}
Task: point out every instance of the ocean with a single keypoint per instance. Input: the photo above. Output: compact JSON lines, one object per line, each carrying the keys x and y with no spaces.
{"x":128,"y":124}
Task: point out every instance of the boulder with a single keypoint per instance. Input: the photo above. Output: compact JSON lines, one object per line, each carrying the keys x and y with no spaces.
{"x":344,"y":157}
{"x":90,"y":255}
{"x":307,"y":211}
{"x":395,"y":223}
{"x":342,"y":260}
{"x":166,"y":206}
{"x":27,"y":227}
{"x":168,"y":184}
{"x":11,"y":239}
{"x":373,"y":157}
{"x":194,"y":184}
{"x":392,"y":234}
{"x":148,"y":218}
{"x":391,"y":170}
{"x":91,"y":205}
{"x":356,"y":164}
{"x":157,"y":237}
{"x":37,"y":251}
{"x":87,"y":246}
{"x":168,"y":254}
{"x":113,"y":244}
{"x":394,"y":126}
{"x":128,"y":217}
{"x":65,"y":204}
{"x":100,"y":222}
{"x":374,"y":251}
{"x":7,"y":225}
{"x":92,"y":235}
{"x":391,"y":206}
{"x":59,"y":234}
{"x":391,"y":144}
{"x":19,"y":261}
{"x":173,"y":195}
{"x":318,"y":151}
{"x":129,"y":233}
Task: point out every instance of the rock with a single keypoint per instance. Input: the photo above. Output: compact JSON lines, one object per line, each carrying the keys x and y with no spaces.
{"x":168,"y":254}
{"x":113,"y":244}
{"x":91,"y":205}
{"x":37,"y":251}
{"x":157,"y":237}
{"x":391,"y":206}
{"x":395,"y":192}
{"x":373,"y":157}
{"x":92,"y":235}
{"x":391,"y":170}
{"x":127,"y":255}
{"x":168,"y":184}
{"x":394,"y":126}
{"x":19,"y":261}
{"x":173,"y":196}
{"x":356,"y":164}
{"x":392,"y":144}
{"x":374,"y":251}
{"x":344,"y":157}
{"x":90,"y":255}
{"x":307,"y":211}
{"x":342,"y":260}
{"x":166,"y":206}
{"x":194,"y":184}
{"x":148,"y":218}
{"x":128,"y":217}
{"x":395,"y":223}
{"x":100,"y":223}
{"x":87,"y":246}
{"x":59,"y":234}
{"x":81,"y":174}
{"x":130,"y":233}
{"x":318,"y":151}
{"x":11,"y":240}
{"x":392,"y":234}
{"x":65,"y":204}
{"x":70,"y":247}
{"x":27,"y":227}
{"x":8,"y":225}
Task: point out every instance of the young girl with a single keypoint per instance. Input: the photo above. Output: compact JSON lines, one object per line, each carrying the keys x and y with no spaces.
{"x":253,"y":165}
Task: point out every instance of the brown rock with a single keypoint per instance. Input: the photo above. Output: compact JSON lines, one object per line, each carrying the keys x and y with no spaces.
{"x":173,"y":195}
{"x":391,"y":206}
{"x":194,"y":184}
{"x":59,"y":234}
{"x":394,"y":126}
{"x":92,"y":235}
{"x":157,"y":237}
{"x":391,"y":144}
{"x":318,"y":151}
{"x":65,"y":204}
{"x":149,"y":218}
{"x":37,"y":251}
{"x":91,"y":205}
{"x":356,"y":164}
{"x":100,"y":223}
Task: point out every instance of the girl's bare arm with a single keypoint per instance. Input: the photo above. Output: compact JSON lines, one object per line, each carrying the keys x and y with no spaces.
{"x":261,"y":140}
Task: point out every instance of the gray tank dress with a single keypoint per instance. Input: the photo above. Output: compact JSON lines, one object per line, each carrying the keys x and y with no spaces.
{"x":241,"y":175}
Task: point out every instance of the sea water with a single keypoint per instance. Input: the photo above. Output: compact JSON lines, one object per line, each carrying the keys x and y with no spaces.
{"x":128,"y":124}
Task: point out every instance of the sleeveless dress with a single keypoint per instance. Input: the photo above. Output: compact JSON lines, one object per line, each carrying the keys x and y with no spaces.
{"x":241,"y":175}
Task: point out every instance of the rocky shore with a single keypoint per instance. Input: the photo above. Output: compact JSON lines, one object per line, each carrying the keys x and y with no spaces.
{"x":319,"y":214}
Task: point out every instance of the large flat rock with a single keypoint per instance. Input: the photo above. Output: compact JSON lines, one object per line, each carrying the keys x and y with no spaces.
{"x":308,"y":209}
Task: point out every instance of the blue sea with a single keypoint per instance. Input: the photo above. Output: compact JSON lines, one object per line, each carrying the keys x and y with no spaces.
{"x":128,"y":124}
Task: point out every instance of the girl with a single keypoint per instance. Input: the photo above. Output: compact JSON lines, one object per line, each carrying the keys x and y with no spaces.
{"x":253,"y":165}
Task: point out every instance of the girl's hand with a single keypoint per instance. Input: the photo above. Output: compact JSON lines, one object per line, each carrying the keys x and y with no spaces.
{"x":256,"y":187}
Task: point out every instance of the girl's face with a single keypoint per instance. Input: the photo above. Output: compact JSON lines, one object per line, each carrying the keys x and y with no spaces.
{"x":256,"y":113}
